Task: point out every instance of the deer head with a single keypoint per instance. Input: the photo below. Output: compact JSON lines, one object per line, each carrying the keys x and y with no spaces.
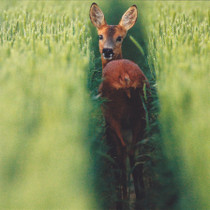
{"x":112,"y":36}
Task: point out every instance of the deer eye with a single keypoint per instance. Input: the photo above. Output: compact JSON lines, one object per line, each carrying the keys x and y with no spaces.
{"x":119,"y":39}
{"x":100,"y":37}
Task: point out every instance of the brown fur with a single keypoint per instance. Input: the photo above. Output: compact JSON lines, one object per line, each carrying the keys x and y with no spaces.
{"x":111,"y":32}
{"x":122,"y":87}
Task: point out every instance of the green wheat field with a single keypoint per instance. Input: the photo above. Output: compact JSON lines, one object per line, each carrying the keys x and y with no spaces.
{"x":52,"y":154}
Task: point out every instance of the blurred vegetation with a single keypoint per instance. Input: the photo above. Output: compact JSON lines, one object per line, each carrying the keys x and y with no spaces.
{"x":45,"y":160}
{"x":178,"y":48}
{"x":51,"y":128}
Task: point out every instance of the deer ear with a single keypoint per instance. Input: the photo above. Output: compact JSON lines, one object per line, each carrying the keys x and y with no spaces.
{"x":97,"y":16}
{"x":129,"y":18}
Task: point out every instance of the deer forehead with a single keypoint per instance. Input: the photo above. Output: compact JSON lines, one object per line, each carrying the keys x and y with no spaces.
{"x":112,"y":31}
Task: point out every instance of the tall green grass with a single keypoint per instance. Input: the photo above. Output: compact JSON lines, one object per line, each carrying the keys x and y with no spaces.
{"x":51,"y":133}
{"x":179,"y":54}
{"x":45,"y":160}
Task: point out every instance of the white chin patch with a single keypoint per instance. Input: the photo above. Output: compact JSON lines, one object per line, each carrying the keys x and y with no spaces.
{"x":108,"y":58}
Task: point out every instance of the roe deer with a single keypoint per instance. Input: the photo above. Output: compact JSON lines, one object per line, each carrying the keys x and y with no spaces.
{"x":123,"y":86}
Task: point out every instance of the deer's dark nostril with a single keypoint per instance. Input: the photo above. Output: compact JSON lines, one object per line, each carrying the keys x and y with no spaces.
{"x":107,"y":52}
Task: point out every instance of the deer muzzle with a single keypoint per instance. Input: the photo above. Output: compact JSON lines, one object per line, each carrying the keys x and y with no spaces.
{"x":108,"y":53}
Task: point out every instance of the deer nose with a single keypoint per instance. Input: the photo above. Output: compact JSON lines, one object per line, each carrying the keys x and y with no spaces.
{"x":108,"y":53}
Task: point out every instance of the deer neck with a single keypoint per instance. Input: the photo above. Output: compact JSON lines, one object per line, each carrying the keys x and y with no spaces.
{"x":105,"y":61}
